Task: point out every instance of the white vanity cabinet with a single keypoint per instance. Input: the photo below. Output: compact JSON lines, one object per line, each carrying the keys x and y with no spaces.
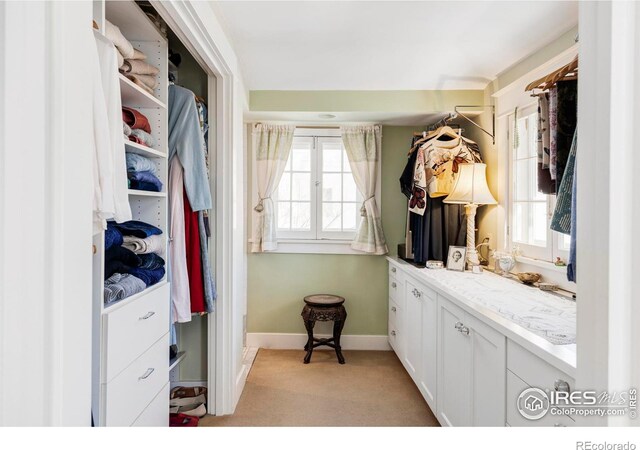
{"x":467,"y":363}
{"x":471,"y":369}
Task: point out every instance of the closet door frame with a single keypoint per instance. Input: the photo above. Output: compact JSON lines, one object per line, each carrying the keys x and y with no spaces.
{"x":197,"y":27}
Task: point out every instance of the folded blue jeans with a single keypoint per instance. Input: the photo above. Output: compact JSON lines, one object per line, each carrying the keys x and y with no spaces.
{"x":137,"y":229}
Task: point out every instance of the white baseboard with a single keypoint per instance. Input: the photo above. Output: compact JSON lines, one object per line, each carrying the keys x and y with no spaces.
{"x":296,"y":341}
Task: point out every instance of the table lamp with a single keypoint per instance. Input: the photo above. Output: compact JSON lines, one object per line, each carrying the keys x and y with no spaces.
{"x":471,"y":190}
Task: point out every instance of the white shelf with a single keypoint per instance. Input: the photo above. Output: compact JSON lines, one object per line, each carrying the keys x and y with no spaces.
{"x":134,"y":297}
{"x":173,"y":362}
{"x":132,"y":21}
{"x":136,"y":97}
{"x":143,"y":150}
{"x":138,"y":193}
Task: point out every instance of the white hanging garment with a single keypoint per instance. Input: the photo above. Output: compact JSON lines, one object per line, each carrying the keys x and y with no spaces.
{"x":178,"y":275}
{"x":111,"y":200}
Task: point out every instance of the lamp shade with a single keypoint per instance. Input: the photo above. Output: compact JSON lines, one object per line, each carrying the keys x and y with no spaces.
{"x":471,"y":186}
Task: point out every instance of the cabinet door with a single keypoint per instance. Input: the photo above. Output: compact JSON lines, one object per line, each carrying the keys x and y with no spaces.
{"x":428,"y":370}
{"x":454,"y":374}
{"x":488,"y":374}
{"x":413,"y":330}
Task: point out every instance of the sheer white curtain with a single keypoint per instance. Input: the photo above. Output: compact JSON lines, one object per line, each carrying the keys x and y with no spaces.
{"x":363,"y":145}
{"x":272,"y":144}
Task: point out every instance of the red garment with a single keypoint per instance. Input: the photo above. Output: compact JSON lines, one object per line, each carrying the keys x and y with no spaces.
{"x":194,"y":257}
{"x":135,"y":119}
{"x":182,"y":420}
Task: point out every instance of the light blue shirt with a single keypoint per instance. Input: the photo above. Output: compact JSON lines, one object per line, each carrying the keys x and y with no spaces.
{"x":186,"y":141}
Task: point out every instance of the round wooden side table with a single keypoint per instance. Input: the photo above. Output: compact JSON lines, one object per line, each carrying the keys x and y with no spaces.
{"x":324,"y":308}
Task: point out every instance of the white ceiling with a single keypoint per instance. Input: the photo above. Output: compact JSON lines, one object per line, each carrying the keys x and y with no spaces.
{"x":374,"y":45}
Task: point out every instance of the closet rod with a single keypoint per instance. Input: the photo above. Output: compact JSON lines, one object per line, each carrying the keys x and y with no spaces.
{"x":493,"y":118}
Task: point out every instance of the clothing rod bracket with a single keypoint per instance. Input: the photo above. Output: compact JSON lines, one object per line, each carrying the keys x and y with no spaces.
{"x":493,"y":118}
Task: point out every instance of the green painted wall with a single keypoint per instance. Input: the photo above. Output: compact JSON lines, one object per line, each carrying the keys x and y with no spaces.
{"x":386,"y":101}
{"x":278,"y":282}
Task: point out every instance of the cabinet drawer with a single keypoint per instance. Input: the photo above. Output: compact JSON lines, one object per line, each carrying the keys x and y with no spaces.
{"x":394,"y":288}
{"x":393,"y":337}
{"x":394,"y":313}
{"x":533,"y":370}
{"x":393,"y":271}
{"x":128,"y":394}
{"x":132,"y":329}
{"x":515,"y":386}
{"x":157,"y":413}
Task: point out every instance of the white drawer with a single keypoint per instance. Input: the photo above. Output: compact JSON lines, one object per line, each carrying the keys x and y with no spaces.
{"x":157,"y":413}
{"x":393,"y":271}
{"x":533,"y":370}
{"x":515,"y":386}
{"x":393,"y":337}
{"x":128,"y":394}
{"x":394,"y":313}
{"x":394,"y":288}
{"x":133,"y":328}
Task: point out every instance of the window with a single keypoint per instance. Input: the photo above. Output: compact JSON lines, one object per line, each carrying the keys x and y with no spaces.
{"x":531,"y":211}
{"x":317,"y":198}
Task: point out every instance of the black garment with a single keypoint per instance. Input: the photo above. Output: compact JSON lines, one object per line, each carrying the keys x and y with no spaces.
{"x":119,"y":260}
{"x":567,"y":120}
{"x":441,"y":225}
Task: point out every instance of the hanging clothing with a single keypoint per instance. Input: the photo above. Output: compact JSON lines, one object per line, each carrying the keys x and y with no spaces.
{"x":429,"y":235}
{"x":194,"y":257}
{"x":207,"y":276}
{"x":178,"y":275}
{"x":561,"y":220}
{"x":571,"y":265}
{"x":442,"y":159}
{"x":553,"y":130}
{"x":545,"y":184}
{"x":111,"y":198}
{"x":567,"y":120}
{"x":185,"y":141}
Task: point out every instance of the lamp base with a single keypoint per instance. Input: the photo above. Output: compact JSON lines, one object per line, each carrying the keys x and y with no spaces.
{"x":472,"y":253}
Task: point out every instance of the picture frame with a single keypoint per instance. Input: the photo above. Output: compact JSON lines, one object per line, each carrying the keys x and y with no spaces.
{"x":457,"y":258}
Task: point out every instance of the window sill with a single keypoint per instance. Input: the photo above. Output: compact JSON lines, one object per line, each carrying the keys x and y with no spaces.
{"x":315,"y":247}
{"x":542,"y":264}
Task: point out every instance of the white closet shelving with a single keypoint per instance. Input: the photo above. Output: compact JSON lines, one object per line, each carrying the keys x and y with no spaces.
{"x":131,"y":336}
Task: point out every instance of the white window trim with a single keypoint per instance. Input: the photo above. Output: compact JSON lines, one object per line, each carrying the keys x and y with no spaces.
{"x":320,"y":246}
{"x":507,"y":99}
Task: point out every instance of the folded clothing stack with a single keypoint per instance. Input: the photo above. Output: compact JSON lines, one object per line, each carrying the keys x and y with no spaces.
{"x":142,"y":173}
{"x":131,"y":61}
{"x":136,"y":127}
{"x":126,"y":270}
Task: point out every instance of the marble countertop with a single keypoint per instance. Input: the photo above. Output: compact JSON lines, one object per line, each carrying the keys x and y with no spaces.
{"x":542,"y":321}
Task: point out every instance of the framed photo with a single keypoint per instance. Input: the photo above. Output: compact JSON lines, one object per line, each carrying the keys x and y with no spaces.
{"x":457,"y":258}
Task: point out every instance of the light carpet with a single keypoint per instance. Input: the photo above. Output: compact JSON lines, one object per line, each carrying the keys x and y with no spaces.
{"x":371,"y":389}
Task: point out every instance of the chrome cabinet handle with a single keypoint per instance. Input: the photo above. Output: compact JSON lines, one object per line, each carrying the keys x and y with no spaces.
{"x":464,"y":330}
{"x":393,"y":285}
{"x":393,"y":332}
{"x":147,"y":374}
{"x":416,"y":293}
{"x":393,"y":269}
{"x":561,"y":386}
{"x":147,"y":315}
{"x":393,"y":309}
{"x":458,"y":325}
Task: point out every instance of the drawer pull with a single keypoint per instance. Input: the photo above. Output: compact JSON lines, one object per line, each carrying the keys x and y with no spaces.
{"x":464,"y":330}
{"x":416,"y":293}
{"x":147,"y":315}
{"x":458,"y":325}
{"x":393,"y":269}
{"x":393,"y":309}
{"x":561,"y":386}
{"x":393,"y":285}
{"x":147,"y":374}
{"x":393,"y":332}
